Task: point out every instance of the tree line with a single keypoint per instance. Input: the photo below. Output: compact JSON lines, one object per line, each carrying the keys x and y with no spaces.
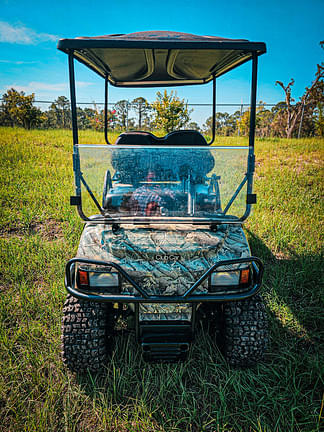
{"x":168,"y":112}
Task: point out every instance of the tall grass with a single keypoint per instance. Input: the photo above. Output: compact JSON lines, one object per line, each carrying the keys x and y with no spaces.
{"x":39,"y":232}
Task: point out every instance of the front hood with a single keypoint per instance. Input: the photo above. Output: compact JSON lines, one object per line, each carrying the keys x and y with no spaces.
{"x":163,"y":259}
{"x":148,"y":244}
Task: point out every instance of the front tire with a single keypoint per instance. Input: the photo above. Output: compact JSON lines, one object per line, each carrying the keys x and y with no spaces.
{"x":245,"y":333}
{"x":87,"y":328}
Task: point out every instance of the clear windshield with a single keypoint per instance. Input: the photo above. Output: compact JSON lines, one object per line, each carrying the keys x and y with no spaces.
{"x":168,"y":183}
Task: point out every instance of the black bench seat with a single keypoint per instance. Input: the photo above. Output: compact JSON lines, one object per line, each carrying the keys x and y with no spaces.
{"x":176,"y":138}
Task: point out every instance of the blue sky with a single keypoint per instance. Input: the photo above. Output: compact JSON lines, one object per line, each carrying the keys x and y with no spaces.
{"x":29,"y":31}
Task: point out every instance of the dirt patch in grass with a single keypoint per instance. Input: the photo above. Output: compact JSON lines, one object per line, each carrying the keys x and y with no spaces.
{"x":302,"y":163}
{"x":49,"y":229}
{"x":7,"y":233}
{"x":40,"y":285}
{"x":4,"y":287}
{"x":279,"y":256}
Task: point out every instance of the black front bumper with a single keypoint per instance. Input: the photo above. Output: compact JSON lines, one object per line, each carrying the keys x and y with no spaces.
{"x":143,"y":297}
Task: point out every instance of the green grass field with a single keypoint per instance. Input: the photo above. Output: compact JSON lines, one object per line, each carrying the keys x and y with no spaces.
{"x":39,"y":232}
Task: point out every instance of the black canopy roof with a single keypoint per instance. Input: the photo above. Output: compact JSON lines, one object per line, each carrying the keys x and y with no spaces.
{"x":160,"y":58}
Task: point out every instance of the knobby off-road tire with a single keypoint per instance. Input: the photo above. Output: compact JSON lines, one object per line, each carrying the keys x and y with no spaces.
{"x":245,"y":332}
{"x":87,"y":329}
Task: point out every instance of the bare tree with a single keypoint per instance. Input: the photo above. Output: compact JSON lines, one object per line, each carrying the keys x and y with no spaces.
{"x":295,"y":112}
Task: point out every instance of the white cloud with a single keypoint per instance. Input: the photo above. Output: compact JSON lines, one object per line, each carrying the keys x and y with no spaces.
{"x":20,"y":34}
{"x":41,"y":88}
{"x":83,"y":84}
{"x":18,"y":62}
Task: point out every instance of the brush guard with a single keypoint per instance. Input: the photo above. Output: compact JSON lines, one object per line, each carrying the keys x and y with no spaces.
{"x":144,"y":297}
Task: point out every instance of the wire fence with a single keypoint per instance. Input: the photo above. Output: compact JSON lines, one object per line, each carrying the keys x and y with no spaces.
{"x":228,"y":115}
{"x":199,"y":112}
{"x":190,"y":104}
{"x":94,"y":103}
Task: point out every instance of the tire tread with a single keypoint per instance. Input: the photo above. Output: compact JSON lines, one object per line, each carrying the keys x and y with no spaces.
{"x":86,"y":328}
{"x":245,"y":332}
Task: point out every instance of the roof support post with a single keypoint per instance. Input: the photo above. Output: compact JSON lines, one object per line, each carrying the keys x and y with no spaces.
{"x":106,"y":110}
{"x":253,"y":98}
{"x":214,"y":111}
{"x":73,"y":100}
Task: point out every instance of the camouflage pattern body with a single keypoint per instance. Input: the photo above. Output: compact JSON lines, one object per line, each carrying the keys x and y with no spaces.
{"x":164,"y":259}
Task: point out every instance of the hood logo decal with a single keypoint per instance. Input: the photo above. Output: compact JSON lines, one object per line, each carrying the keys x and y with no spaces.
{"x":167,"y":258}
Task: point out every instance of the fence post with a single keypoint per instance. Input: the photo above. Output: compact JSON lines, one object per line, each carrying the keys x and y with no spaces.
{"x":301,"y":119}
{"x":241,"y":113}
{"x":127,"y":105}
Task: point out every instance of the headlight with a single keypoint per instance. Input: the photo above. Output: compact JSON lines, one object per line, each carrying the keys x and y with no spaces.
{"x":228,"y":281}
{"x":98,"y":280}
{"x":225,"y":278}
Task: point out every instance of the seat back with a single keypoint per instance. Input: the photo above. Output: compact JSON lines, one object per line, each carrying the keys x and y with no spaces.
{"x":176,"y":138}
{"x":133,"y":166}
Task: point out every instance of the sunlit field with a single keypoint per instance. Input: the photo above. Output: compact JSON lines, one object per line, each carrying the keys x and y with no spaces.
{"x":39,"y":232}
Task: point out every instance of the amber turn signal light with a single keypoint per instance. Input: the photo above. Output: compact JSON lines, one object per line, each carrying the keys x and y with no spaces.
{"x":245,"y":276}
{"x":83,"y":277}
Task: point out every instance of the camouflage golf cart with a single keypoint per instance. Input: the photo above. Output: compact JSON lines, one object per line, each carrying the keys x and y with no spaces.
{"x":162,"y":249}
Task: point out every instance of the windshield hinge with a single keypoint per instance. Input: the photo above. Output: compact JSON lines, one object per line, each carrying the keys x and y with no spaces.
{"x":251,"y":198}
{"x":75,"y":200}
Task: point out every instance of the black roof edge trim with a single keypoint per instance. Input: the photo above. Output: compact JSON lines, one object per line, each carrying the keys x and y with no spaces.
{"x":67,"y":44}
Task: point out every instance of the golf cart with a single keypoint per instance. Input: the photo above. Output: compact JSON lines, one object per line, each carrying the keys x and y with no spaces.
{"x":162,"y":247}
